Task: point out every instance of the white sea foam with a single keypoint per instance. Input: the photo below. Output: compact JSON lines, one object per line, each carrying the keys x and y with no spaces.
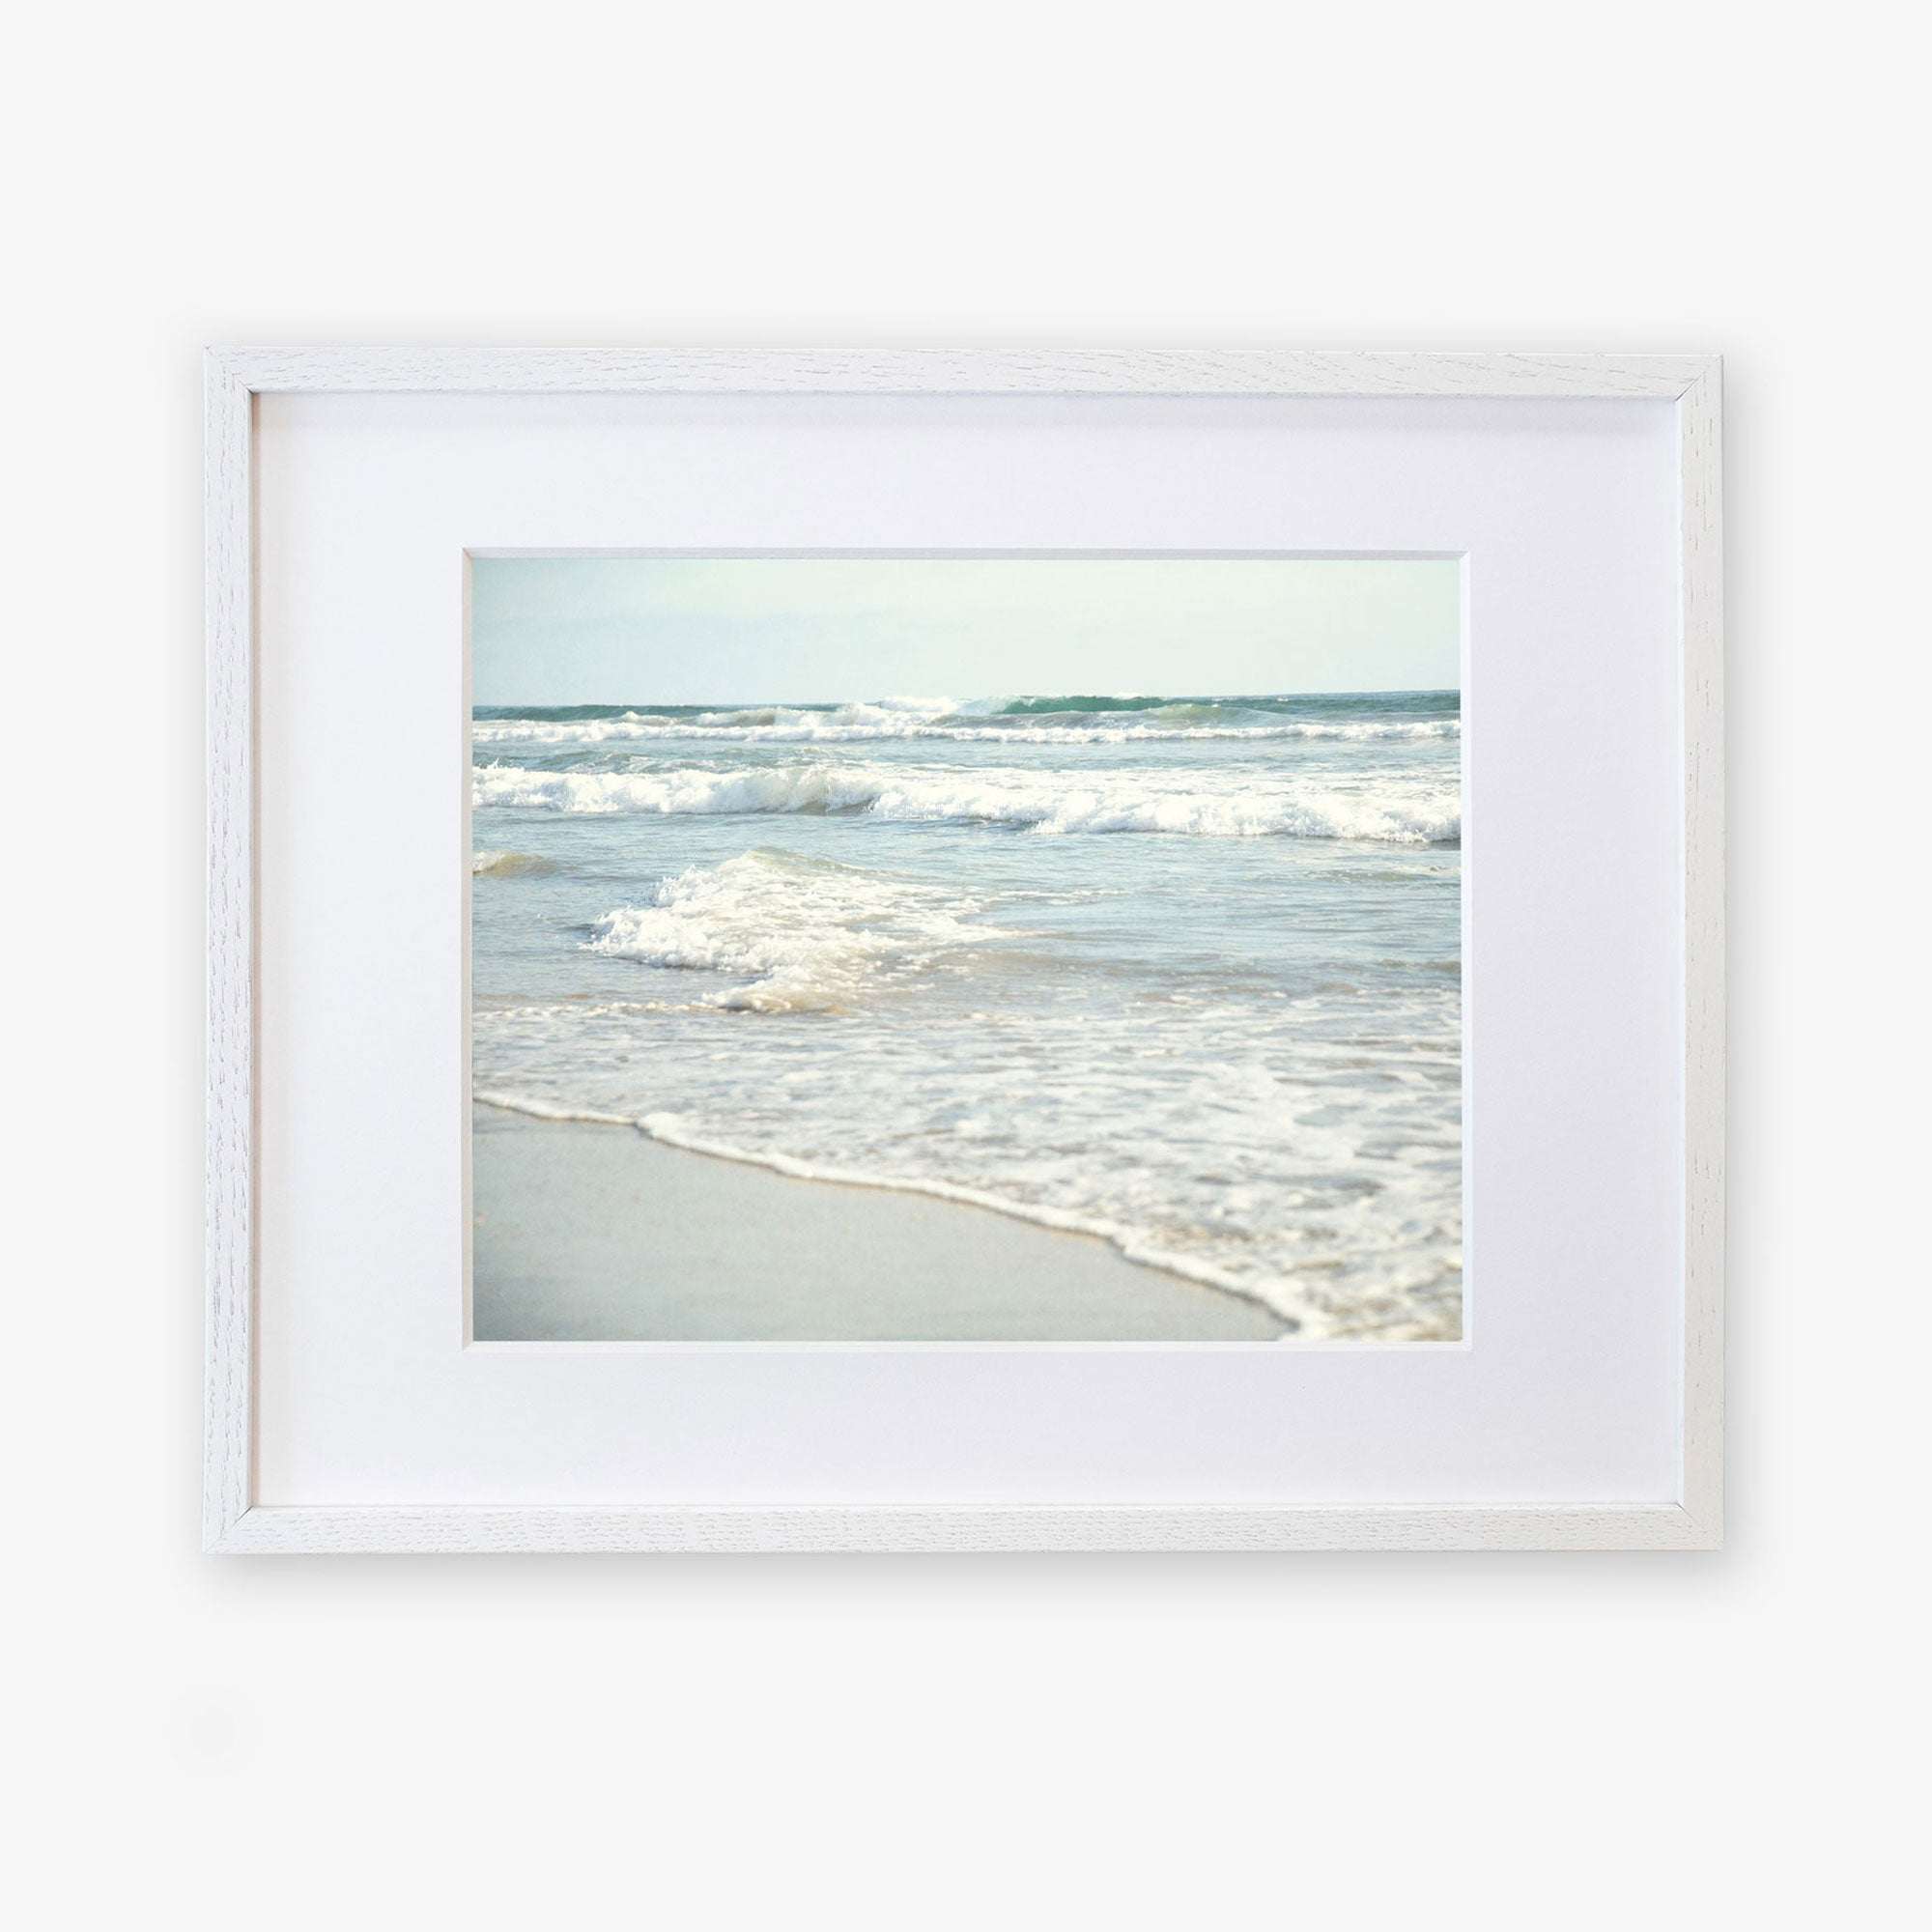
{"x":801,"y":935}
{"x":1300,"y":1153}
{"x":1279,"y":1297}
{"x":862,"y":724}
{"x":1396,"y":809}
{"x":1237,"y":1064}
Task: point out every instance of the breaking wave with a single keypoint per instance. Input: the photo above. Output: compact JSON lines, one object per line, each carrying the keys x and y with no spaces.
{"x":861,"y":724}
{"x":508,"y":865}
{"x":803,"y":935}
{"x":1397,"y":811}
{"x":1234,"y":1050}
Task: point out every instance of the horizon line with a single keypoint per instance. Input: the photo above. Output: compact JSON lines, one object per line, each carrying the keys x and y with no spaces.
{"x":1019,"y":696}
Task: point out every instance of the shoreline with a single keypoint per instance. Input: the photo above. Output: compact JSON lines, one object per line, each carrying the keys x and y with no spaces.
{"x":579,"y":1233}
{"x":789,"y":1168}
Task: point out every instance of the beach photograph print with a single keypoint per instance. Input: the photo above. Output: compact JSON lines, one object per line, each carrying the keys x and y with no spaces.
{"x":966,"y":950}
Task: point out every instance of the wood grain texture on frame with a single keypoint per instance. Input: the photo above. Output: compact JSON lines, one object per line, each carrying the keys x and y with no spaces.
{"x":232,"y":1522}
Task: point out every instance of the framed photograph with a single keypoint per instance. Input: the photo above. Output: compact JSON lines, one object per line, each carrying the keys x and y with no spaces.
{"x":964,"y":950}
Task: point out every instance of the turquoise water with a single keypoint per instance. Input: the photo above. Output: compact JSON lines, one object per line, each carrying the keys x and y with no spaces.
{"x":1181,"y":972}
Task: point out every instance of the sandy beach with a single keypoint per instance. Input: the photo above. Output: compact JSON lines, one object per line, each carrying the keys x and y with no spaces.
{"x":593,"y":1233}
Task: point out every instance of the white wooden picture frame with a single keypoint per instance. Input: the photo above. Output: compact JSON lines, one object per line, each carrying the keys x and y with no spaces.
{"x":235,"y":1521}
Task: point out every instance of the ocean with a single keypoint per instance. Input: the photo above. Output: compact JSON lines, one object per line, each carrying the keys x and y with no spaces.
{"x":1181,"y":972}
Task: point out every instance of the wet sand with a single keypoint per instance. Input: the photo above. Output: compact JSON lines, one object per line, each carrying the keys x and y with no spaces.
{"x":586,"y":1233}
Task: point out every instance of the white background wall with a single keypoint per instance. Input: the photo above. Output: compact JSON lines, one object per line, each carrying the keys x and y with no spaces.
{"x":1342,"y":1740}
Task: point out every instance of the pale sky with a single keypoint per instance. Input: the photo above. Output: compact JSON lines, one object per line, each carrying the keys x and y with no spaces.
{"x":564,"y":630}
